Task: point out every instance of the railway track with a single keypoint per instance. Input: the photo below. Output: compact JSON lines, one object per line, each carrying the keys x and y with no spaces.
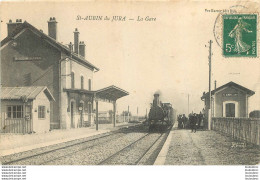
{"x":109,"y":148}
{"x":105,"y":161}
{"x":138,"y":154}
{"x":39,"y":152}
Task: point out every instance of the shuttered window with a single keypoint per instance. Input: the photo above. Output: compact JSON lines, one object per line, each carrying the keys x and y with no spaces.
{"x":41,"y":112}
{"x":82,"y":82}
{"x":89,"y":84}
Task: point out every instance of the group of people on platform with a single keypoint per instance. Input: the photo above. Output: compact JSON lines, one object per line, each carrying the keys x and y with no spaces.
{"x":194,"y":121}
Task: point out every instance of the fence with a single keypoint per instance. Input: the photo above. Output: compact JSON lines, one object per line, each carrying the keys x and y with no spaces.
{"x":119,"y":119}
{"x":16,"y":126}
{"x":243,"y":129}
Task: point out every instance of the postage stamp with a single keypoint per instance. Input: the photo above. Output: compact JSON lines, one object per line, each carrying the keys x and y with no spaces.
{"x":239,"y":35}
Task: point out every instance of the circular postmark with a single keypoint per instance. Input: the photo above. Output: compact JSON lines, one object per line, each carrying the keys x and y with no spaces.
{"x":235,"y":31}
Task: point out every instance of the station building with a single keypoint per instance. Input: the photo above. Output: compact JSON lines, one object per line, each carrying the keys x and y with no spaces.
{"x":229,"y":100}
{"x":30,"y":57}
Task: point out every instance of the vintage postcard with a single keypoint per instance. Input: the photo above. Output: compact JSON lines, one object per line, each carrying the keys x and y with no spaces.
{"x":129,"y":83}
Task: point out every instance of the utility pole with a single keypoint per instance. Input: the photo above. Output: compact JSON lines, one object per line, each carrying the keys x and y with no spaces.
{"x":137,"y":113}
{"x":188,"y":104}
{"x":209,"y":113}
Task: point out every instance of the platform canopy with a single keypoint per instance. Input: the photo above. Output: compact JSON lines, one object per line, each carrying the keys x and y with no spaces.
{"x":110,"y":93}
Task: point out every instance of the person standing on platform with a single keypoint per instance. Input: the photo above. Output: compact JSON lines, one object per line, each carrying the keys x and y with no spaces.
{"x":184,"y":121}
{"x":199,"y":119}
{"x":193,"y":123}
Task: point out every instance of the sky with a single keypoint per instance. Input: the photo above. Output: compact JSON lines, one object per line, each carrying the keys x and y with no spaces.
{"x":142,"y":57}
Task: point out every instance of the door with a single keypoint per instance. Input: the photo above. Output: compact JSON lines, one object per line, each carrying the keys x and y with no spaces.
{"x":81,"y":110}
{"x":28,"y":118}
{"x":230,"y":110}
{"x":89,"y":112}
{"x":72,"y":115}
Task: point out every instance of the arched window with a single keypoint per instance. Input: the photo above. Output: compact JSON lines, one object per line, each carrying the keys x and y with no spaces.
{"x":89,"y":84}
{"x":82,"y":82}
{"x":72,"y":80}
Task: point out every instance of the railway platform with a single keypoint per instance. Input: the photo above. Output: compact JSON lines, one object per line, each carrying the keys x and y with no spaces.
{"x":15,"y":143}
{"x":183,"y":147}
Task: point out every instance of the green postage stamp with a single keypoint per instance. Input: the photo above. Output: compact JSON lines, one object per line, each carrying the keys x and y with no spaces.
{"x":240,"y":35}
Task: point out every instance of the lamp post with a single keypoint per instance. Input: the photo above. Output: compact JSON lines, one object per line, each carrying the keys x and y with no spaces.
{"x":209,"y":111}
{"x":188,"y":104}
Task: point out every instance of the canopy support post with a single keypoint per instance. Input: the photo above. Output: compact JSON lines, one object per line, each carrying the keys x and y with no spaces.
{"x":114,"y":112}
{"x":96,"y":114}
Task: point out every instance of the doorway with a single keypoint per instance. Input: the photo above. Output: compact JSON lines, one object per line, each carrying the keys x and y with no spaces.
{"x":89,"y":112}
{"x":230,"y":110}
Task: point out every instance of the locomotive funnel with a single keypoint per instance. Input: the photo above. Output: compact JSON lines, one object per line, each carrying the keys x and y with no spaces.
{"x":156,"y":101}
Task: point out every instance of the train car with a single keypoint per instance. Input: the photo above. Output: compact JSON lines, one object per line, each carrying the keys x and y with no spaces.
{"x":161,"y":115}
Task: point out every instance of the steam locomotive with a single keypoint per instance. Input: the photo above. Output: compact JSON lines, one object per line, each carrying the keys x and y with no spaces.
{"x":161,"y":115}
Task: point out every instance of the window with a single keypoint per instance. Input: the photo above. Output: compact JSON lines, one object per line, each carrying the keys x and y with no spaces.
{"x":15,"y":112}
{"x":89,"y":84}
{"x":72,"y":80}
{"x":82,"y":82}
{"x":89,"y":107}
{"x":41,"y":112}
{"x":9,"y":111}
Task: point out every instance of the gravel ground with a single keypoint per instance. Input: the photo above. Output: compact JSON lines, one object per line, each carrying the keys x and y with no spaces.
{"x":132,"y":154}
{"x":144,"y":148}
{"x":142,"y":152}
{"x":33,"y":152}
{"x":209,"y":148}
{"x":150,"y":157}
{"x":15,"y":143}
{"x":95,"y":154}
{"x":57,"y":151}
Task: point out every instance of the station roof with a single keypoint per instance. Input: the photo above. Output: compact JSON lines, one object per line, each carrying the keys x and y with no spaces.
{"x":111,"y":93}
{"x":230,"y":84}
{"x":47,"y":38}
{"x":29,"y":92}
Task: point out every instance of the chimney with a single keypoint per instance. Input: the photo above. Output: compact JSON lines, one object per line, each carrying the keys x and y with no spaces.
{"x":52,"y":28}
{"x":76,"y":41}
{"x":215,"y":84}
{"x":156,"y":101}
{"x":71,"y":46}
{"x":11,"y":26}
{"x":82,"y":48}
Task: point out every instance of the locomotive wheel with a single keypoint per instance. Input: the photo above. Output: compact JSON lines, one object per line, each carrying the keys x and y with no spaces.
{"x":150,"y":128}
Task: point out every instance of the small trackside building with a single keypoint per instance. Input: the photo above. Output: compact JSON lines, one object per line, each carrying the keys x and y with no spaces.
{"x":25,"y":109}
{"x":229,"y":100}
